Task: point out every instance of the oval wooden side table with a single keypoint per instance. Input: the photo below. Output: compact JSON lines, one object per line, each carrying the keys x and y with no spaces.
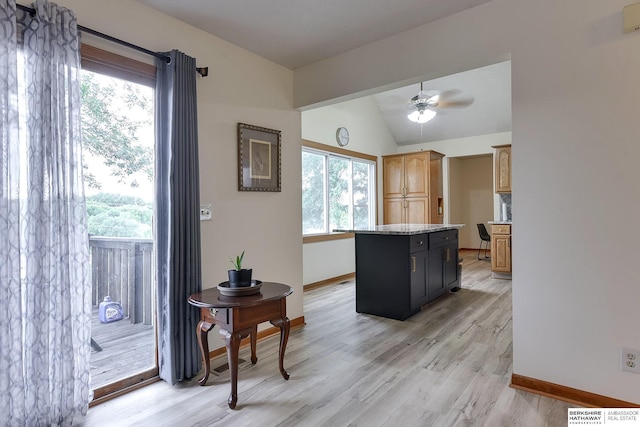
{"x":238,"y":317}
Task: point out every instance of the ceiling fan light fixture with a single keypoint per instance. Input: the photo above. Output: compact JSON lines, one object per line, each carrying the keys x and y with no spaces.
{"x":421,"y":116}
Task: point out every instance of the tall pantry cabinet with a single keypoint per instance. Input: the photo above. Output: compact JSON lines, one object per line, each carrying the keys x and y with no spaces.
{"x":412,"y":188}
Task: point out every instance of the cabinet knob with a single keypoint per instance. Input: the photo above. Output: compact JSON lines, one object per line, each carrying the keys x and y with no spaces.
{"x":213,"y":311}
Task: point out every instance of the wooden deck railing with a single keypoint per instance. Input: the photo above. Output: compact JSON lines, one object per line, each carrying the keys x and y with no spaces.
{"x":122,"y":268}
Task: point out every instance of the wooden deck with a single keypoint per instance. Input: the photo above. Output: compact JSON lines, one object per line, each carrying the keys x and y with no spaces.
{"x":127,"y":349}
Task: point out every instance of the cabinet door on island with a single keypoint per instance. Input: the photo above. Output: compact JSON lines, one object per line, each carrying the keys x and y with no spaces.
{"x":419,"y":256}
{"x":443,"y":263}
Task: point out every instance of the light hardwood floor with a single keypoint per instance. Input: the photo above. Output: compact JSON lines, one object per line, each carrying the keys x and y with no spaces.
{"x":449,"y":365}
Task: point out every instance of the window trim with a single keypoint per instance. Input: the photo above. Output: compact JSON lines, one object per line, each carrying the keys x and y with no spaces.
{"x":109,"y":63}
{"x":314,"y":238}
{"x":340,"y":151}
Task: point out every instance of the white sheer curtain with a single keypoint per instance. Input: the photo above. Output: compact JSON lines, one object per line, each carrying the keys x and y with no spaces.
{"x":45,"y":290}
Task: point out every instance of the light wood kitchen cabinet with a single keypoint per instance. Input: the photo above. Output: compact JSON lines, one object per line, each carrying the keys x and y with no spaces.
{"x":502,"y":159}
{"x":501,"y":248}
{"x":412,"y":188}
{"x":393,"y":177}
{"x":406,"y":210}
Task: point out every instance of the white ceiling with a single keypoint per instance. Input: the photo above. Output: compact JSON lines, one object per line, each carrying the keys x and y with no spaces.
{"x":490,"y":88}
{"x":296,"y":33}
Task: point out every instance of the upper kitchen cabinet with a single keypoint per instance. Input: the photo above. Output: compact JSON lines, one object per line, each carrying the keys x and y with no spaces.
{"x":412,"y":188}
{"x":502,"y":158}
{"x":393,"y":177}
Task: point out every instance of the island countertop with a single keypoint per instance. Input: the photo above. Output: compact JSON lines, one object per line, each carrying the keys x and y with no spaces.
{"x":404,"y":229}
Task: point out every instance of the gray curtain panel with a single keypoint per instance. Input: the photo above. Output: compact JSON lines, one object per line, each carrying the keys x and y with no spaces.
{"x":177,"y":217}
{"x":45,"y":287}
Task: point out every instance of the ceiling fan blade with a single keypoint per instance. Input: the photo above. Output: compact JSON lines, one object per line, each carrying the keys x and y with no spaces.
{"x":460,"y":103}
{"x":439,"y":100}
{"x":449,"y":93}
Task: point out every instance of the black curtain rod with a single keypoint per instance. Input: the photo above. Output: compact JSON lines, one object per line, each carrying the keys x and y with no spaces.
{"x":124,"y":43}
{"x":203,"y":71}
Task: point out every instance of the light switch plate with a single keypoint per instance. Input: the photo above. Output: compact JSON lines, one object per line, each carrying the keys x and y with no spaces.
{"x":205,"y":212}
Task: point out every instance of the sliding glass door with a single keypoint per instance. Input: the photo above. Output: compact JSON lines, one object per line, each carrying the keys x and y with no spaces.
{"x":118,"y":157}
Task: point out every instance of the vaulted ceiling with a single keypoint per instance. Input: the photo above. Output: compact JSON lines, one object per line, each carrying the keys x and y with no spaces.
{"x":490,"y":112}
{"x":296,"y":33}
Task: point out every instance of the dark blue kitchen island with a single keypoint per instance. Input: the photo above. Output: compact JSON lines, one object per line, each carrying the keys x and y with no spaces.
{"x":401,"y":267}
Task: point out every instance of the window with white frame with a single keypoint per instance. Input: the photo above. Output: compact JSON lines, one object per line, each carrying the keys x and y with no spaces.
{"x":338,"y":192}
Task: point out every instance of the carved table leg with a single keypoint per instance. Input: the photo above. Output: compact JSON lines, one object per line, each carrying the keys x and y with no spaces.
{"x":284,"y":324}
{"x":254,"y":338}
{"x":232,"y":341}
{"x":202,"y":332}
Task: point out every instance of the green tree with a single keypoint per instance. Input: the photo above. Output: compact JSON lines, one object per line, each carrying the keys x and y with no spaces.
{"x":313,"y":209}
{"x":112,"y":115}
{"x":339,"y":177}
{"x":116,"y":215}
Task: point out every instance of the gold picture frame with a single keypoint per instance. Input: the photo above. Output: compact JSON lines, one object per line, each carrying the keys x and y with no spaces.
{"x":258,"y":158}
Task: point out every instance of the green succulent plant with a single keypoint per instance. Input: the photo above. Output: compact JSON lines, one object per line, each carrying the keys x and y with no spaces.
{"x":237,"y":262}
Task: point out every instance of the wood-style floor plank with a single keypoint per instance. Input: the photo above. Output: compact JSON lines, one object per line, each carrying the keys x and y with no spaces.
{"x":449,"y":365}
{"x":127,"y":349}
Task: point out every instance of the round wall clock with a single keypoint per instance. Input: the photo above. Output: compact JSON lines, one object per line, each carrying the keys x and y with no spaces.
{"x":342,"y":136}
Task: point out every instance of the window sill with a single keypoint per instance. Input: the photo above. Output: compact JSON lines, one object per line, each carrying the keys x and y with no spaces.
{"x":326,"y":237}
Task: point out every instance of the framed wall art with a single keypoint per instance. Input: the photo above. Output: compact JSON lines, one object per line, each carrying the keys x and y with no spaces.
{"x":258,"y":158}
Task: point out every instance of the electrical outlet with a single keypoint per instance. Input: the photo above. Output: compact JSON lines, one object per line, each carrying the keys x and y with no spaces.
{"x":205,"y":212}
{"x":630,"y":360}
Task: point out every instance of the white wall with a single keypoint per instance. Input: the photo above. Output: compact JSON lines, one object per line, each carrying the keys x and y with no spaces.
{"x":241,"y":87}
{"x":327,"y":260}
{"x":367,"y":130}
{"x":575,"y":127}
{"x":462,"y":147}
{"x":453,"y":193}
{"x":575,"y":189}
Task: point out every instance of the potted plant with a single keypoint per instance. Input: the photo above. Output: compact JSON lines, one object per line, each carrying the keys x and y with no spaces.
{"x":239,"y":277}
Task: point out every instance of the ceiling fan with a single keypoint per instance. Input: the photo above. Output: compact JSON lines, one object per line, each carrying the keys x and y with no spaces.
{"x":425,"y":103}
